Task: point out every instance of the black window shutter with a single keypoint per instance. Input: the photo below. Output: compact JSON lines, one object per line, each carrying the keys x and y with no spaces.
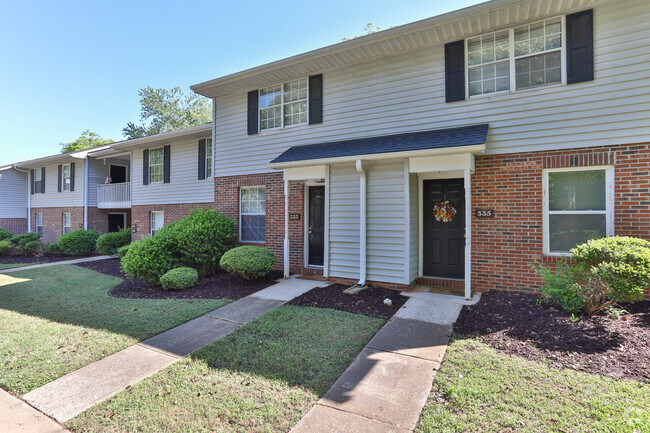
{"x":60,"y":176}
{"x":253,"y":111}
{"x":42,"y":180}
{"x":316,"y":99}
{"x":33,"y":180}
{"x":580,"y":46}
{"x":72,"y":176}
{"x":166,"y":165}
{"x":455,"y":71}
{"x":202,"y":159}
{"x":145,"y":167}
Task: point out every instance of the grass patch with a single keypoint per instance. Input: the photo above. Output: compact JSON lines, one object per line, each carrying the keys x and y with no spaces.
{"x":58,"y":319}
{"x":485,"y":390}
{"x":15,"y":265}
{"x":262,"y":377}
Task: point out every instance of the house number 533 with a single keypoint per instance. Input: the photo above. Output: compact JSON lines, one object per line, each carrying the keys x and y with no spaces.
{"x":484,"y":213}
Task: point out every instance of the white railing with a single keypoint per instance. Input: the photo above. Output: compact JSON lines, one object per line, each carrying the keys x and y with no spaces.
{"x":114,"y":195}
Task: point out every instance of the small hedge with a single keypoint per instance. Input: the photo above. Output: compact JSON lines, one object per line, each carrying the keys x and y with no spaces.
{"x":53,"y":249}
{"x":109,"y":243}
{"x":5,"y":247}
{"x":249,"y":262}
{"x":121,"y":251}
{"x":5,"y":234}
{"x":34,"y":247}
{"x":179,"y":279}
{"x":78,"y":242}
{"x":20,"y":240}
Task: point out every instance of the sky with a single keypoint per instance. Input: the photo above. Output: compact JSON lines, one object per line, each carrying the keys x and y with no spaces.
{"x":68,"y":66}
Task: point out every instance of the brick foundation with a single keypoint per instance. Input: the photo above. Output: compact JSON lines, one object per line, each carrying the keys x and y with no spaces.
{"x":16,"y":226}
{"x":98,"y":218}
{"x":53,"y":221}
{"x":141,"y":215}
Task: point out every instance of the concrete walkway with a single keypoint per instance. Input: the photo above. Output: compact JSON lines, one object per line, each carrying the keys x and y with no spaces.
{"x":16,"y":416}
{"x":387,"y":385}
{"x":75,"y":392}
{"x":63,"y":262}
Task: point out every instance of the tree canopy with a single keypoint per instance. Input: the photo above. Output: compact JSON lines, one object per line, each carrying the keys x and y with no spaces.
{"x":86,"y":140}
{"x":369,"y":29}
{"x":165,"y":110}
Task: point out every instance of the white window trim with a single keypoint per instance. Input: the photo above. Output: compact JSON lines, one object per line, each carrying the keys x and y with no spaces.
{"x":610,"y":192}
{"x":37,"y":172}
{"x":241,"y":239}
{"x":39,"y":214}
{"x":208,"y":145}
{"x":63,"y":226}
{"x":151,"y":221}
{"x":63,"y":178}
{"x":282,"y":103}
{"x":511,"y":59}
{"x":162,"y":165}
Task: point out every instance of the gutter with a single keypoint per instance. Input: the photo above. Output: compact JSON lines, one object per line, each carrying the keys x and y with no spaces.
{"x":29,"y":196}
{"x":85,"y":192}
{"x":363,"y":233}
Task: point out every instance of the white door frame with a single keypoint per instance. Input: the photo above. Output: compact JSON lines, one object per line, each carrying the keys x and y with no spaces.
{"x":305,"y":224}
{"x":123,"y":217}
{"x":128,"y":175}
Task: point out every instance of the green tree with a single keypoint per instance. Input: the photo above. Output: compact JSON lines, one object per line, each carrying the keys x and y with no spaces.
{"x":369,"y":29}
{"x":165,"y":110}
{"x":86,"y":140}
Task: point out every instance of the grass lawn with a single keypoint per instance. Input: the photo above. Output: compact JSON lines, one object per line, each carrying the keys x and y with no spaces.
{"x":15,"y":265}
{"x":261,"y":378}
{"x":485,"y":390}
{"x":58,"y":319}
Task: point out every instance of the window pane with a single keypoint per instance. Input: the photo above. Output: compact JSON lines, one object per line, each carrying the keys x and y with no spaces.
{"x":295,"y":90}
{"x":295,"y":113}
{"x":271,"y":118}
{"x":253,"y":228}
{"x":270,"y":96}
{"x":489,"y":78}
{"x":567,"y":231}
{"x":577,"y":190}
{"x":538,"y":70}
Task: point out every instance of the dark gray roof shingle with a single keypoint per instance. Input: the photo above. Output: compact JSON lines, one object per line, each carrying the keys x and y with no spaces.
{"x":433,"y":139}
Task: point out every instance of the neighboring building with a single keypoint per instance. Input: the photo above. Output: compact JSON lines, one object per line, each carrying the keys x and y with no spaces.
{"x":531,"y":117}
{"x":14,"y":197}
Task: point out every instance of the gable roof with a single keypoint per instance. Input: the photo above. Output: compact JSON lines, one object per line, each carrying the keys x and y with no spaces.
{"x":432,"y":140}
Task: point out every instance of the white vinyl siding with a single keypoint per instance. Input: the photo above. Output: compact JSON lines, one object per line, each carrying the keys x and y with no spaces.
{"x":52,"y":197}
{"x":67,"y":224}
{"x":344,"y":221}
{"x":406,"y":92}
{"x":157,"y":222}
{"x":185,"y":187}
{"x":98,"y":171}
{"x":413,"y":227}
{"x":13,"y":194}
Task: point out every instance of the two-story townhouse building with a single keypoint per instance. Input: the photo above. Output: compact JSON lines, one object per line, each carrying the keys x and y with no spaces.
{"x":14,"y":198}
{"x":452,"y":151}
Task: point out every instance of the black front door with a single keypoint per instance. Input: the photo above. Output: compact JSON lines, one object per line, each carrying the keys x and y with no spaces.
{"x":316,"y":225}
{"x":118,"y":174}
{"x":444,"y":242}
{"x":115,"y":222}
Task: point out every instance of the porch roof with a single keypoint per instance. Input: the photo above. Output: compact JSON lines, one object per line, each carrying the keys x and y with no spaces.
{"x":392,"y":145}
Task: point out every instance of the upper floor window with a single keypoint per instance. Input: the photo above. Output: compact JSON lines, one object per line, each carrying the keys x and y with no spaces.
{"x":208,"y":158}
{"x":156,"y":161}
{"x":283,"y":104}
{"x":38,"y":181}
{"x":515,"y":59}
{"x":65,"y":178}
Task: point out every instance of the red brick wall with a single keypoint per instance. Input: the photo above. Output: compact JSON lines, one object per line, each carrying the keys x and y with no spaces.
{"x":53,"y":221}
{"x":16,"y":226}
{"x":503,"y":247}
{"x":141,"y":214}
{"x":98,"y":218}
{"x":226,"y":197}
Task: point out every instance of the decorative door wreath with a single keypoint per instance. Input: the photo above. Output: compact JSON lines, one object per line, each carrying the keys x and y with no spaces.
{"x":444,"y":211}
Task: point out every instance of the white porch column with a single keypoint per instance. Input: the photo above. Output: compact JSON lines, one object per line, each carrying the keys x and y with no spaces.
{"x":467,"y":173}
{"x":286,"y":228}
{"x":363,"y":236}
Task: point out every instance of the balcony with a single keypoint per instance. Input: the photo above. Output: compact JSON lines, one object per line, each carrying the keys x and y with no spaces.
{"x":114,"y":196}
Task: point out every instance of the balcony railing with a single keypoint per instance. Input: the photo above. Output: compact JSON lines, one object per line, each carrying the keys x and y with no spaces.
{"x":114,"y":195}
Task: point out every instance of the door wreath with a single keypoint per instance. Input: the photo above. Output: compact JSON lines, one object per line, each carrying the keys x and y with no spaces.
{"x":444,"y":211}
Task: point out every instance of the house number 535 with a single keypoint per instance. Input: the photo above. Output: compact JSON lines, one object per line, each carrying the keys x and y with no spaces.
{"x":484,"y":213}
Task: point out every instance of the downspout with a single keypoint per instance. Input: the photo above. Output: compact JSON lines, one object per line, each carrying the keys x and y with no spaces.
{"x":85,"y":192}
{"x":363,"y":241}
{"x":29,"y":196}
{"x":286,"y":228}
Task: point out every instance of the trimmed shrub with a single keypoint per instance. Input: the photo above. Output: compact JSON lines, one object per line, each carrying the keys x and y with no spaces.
{"x":109,"y":243}
{"x":78,"y":242}
{"x":249,"y":262}
{"x":121,"y":251}
{"x":20,"y":240}
{"x":5,"y":247}
{"x":53,"y":249}
{"x":179,"y":279}
{"x":5,"y":234}
{"x":150,"y":258}
{"x":34,"y":247}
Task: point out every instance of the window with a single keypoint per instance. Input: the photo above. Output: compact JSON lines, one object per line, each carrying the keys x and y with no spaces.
{"x":578,"y":205}
{"x":157,"y":221}
{"x":156,"y":160}
{"x":208,"y":158}
{"x":65,"y":178}
{"x":531,"y":53}
{"x":253,"y":210}
{"x":67,"y":226}
{"x":283,"y":104}
{"x":38,"y":180}
{"x":39,"y":224}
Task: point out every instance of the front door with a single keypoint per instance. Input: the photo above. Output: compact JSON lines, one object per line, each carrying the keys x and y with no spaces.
{"x":316,"y":228}
{"x":116,"y":222}
{"x":444,"y":242}
{"x":118,"y":173}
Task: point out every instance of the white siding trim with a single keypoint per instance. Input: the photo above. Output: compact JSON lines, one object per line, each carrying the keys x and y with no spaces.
{"x":468,"y":233}
{"x":407,"y":220}
{"x":326,"y":257}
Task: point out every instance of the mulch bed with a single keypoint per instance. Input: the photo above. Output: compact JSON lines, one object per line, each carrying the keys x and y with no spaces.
{"x":516,"y":324}
{"x":45,"y":258}
{"x":220,"y":286}
{"x":369,"y":302}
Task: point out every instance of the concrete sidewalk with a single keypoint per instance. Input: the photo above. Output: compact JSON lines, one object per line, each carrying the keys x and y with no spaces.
{"x":16,"y":416}
{"x":387,"y":385}
{"x":75,"y":392}
{"x":62,"y":262}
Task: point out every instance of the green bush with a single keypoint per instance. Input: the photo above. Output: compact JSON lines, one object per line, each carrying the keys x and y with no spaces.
{"x":121,"y":251}
{"x":20,"y":240}
{"x":179,"y":279}
{"x":5,"y":246}
{"x":78,"y":242}
{"x":5,"y":234}
{"x":34,"y":247}
{"x":600,"y":273}
{"x":248,"y":262}
{"x":109,"y":243}
{"x":53,"y":249}
{"x":197,"y":241}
